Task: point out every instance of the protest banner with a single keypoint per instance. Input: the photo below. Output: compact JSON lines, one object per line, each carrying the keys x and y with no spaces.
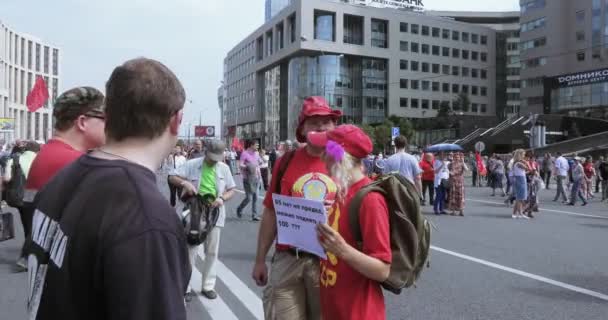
{"x":297,"y":220}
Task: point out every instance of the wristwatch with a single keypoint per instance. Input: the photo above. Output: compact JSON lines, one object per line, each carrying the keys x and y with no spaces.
{"x":221,"y":197}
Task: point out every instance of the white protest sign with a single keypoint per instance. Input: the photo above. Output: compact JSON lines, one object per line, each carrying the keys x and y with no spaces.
{"x":297,"y":220}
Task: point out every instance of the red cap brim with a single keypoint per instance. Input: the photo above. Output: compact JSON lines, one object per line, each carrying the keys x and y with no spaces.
{"x":318,"y":139}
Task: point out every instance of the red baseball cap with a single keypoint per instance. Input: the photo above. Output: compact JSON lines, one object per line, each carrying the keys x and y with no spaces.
{"x":314,"y":107}
{"x":350,"y":137}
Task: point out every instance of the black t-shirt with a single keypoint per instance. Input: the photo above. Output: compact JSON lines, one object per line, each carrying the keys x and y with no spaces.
{"x":603,"y":170}
{"x":107,"y":245}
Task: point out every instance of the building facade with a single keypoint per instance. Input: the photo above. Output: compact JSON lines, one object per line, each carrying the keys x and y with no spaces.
{"x":507,"y":27}
{"x":272,"y":7}
{"x":367,"y":61}
{"x":564,"y":47}
{"x":22,"y":59}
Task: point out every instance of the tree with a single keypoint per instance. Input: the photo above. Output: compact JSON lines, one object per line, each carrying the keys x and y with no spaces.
{"x":383,"y":134}
{"x":406,"y":128}
{"x":444,"y":110}
{"x":370,"y":132}
{"x":462,"y":102}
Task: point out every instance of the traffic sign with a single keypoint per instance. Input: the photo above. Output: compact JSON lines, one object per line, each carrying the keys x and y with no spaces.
{"x":480,"y":146}
{"x":395,"y":132}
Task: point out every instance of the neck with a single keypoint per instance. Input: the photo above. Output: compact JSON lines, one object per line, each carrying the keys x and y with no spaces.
{"x":401,"y":150}
{"x":139,"y":151}
{"x":356,"y":175}
{"x":73,"y":139}
{"x":313,"y":151}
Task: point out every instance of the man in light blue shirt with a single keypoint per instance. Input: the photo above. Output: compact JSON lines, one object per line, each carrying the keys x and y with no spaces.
{"x":404,"y":163}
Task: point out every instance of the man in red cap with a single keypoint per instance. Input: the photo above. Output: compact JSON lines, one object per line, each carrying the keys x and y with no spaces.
{"x":350,"y":278}
{"x":293,"y":288}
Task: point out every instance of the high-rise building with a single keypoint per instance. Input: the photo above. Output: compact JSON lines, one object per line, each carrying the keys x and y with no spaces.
{"x":370,"y":62}
{"x":564,"y":57}
{"x":22,"y":59}
{"x":506,"y":25}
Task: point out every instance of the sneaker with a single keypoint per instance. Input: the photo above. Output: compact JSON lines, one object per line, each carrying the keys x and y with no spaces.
{"x":22,"y":264}
{"x":513,"y":216}
{"x":584,"y":204}
{"x":239,"y":213}
{"x":524,"y":217}
{"x":255,"y":218}
{"x":209,"y":294}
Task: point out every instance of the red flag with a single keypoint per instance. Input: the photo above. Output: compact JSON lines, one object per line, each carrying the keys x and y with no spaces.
{"x":480,"y":167}
{"x":236,"y":144}
{"x":38,"y":96}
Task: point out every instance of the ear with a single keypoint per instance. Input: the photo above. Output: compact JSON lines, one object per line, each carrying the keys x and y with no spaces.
{"x":175,"y":122}
{"x":80,"y":123}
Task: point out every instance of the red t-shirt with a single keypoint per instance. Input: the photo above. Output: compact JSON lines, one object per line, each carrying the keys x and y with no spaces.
{"x":346,"y":293}
{"x":428,"y":173}
{"x":589,"y":170}
{"x":53,"y":157}
{"x":306,"y":177}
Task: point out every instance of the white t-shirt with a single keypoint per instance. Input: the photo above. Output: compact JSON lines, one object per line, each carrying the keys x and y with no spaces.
{"x":444,"y":173}
{"x":517,"y":171}
{"x":562,"y":166}
{"x":265,"y":160}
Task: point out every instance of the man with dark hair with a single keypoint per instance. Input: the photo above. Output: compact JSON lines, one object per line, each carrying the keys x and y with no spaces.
{"x":404,"y":163}
{"x":197,"y":152}
{"x":111,"y":244}
{"x":293,"y":287}
{"x":562,"y":168}
{"x":250,"y":170}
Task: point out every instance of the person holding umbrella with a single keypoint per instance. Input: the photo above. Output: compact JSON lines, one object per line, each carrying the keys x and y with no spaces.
{"x":442,"y":176}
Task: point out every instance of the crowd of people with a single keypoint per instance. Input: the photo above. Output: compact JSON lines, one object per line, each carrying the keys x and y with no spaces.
{"x":101,"y":236}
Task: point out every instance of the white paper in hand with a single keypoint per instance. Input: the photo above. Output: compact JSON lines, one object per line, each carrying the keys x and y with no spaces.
{"x":297,"y":220}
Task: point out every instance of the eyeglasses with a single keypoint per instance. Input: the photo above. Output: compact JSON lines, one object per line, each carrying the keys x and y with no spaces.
{"x":95,"y":116}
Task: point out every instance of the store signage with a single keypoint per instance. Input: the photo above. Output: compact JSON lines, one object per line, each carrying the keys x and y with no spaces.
{"x":582,"y":78}
{"x":394,"y":4}
{"x":204,"y":131}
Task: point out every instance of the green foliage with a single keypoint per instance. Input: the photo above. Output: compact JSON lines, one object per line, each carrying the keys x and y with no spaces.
{"x":462,"y":102}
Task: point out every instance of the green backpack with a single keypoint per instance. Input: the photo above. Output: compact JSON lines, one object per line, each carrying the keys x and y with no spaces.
{"x":410,"y":232}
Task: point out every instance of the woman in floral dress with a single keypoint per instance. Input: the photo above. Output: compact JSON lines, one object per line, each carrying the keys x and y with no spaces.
{"x":457,"y":169}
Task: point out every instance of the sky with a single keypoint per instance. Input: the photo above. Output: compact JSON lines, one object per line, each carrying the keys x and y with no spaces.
{"x":191,"y":37}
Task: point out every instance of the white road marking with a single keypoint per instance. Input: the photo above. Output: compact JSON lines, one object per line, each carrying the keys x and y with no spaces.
{"x":249,"y":299}
{"x":524,"y":274}
{"x":216,"y":308}
{"x":549,"y":210}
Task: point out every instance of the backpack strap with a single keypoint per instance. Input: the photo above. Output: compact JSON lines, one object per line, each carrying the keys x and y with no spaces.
{"x":355,"y":206}
{"x":284,"y":162}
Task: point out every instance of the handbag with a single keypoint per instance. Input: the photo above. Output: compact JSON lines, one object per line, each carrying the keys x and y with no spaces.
{"x":7,"y":226}
{"x":445,"y":183}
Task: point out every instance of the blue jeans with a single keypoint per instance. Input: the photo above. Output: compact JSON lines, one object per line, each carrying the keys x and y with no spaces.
{"x":251,"y":194}
{"x":576,"y":191}
{"x":439,"y":199}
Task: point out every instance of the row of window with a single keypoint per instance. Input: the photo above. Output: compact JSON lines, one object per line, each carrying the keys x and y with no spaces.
{"x":434,"y":86}
{"x":534,"y":24}
{"x":424,"y":48}
{"x":443,"y":33}
{"x":246,"y":50}
{"x":532,"y":82}
{"x":241,"y":83}
{"x":244,"y":96}
{"x":531,"y":5}
{"x":31,"y":57}
{"x":534,"y":63}
{"x":535,"y":43}
{"x":239,"y":69}
{"x":436,"y":104}
{"x":444,"y":69}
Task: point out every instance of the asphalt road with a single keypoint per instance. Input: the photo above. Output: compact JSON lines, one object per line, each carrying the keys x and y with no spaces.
{"x":483,"y":266}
